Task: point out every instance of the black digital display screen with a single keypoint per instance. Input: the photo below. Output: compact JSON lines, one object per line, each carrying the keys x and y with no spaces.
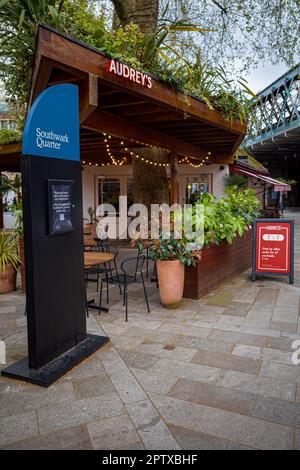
{"x":60,"y":206}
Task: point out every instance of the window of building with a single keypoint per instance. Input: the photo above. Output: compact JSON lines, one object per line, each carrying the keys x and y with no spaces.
{"x":109,"y":191}
{"x":7,"y":124}
{"x":198,"y":184}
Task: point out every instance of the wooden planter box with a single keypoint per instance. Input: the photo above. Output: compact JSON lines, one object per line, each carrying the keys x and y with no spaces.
{"x":217,"y":263}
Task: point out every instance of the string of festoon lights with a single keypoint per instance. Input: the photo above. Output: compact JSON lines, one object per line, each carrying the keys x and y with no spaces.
{"x":186,"y":161}
{"x":145,"y":160}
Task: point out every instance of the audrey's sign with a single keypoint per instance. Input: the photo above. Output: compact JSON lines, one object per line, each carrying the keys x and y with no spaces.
{"x":129,"y":73}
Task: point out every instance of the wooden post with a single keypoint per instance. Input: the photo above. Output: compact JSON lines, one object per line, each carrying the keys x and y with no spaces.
{"x":174,"y":189}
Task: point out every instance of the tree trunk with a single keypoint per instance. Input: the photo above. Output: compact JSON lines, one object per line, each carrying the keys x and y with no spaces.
{"x":144,"y":13}
{"x":150,"y":182}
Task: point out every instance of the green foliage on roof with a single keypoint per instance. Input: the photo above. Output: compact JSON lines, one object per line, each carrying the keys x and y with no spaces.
{"x":158,"y":53}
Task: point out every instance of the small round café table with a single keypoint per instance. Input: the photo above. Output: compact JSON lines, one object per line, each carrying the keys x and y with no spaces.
{"x":91,"y":259}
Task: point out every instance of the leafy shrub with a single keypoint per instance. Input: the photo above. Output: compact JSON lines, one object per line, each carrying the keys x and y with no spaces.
{"x":228,"y":217}
{"x":168,"y":250}
{"x":8,"y":136}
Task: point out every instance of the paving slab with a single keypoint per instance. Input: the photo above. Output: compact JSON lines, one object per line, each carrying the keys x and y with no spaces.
{"x":258,"y":384}
{"x":18,"y":397}
{"x":237,"y":309}
{"x":162,"y":350}
{"x":54,"y":417}
{"x":113,"y":433}
{"x":279,"y":411}
{"x":185,"y":370}
{"x":246,"y":430}
{"x":127,"y":386}
{"x":88,"y":368}
{"x":125,"y":342}
{"x":202,"y":344}
{"x":238,"y":337}
{"x":74,"y":438}
{"x":193,"y":440}
{"x":138,"y":359}
{"x":212,"y":395}
{"x":150,"y":426}
{"x":219,"y":299}
{"x":267,"y":354}
{"x":93,"y":386}
{"x":227,"y":361}
{"x":154,"y":383}
{"x":297,"y":439}
{"x":17,"y":427}
{"x":298,"y":394}
{"x":289,"y":373}
{"x":175,"y":411}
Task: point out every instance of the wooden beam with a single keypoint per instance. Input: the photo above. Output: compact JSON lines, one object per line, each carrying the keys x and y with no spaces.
{"x":237,"y":144}
{"x":58,"y":47}
{"x":42,"y":72}
{"x":6,"y":149}
{"x":103,"y":121}
{"x":222,"y":159}
{"x":88,"y":97}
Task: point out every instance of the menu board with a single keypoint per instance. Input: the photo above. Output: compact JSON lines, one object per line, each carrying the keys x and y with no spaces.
{"x":273,"y":247}
{"x":60,"y":206}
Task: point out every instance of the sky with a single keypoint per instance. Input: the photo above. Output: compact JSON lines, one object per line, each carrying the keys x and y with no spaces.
{"x":261,"y":77}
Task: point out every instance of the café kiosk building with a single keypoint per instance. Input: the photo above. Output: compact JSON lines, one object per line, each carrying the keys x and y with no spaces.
{"x":122,"y":111}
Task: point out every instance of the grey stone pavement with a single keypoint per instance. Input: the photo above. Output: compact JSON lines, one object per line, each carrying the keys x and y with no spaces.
{"x":214,"y":374}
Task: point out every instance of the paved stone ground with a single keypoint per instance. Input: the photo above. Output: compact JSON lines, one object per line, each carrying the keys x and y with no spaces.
{"x":214,"y":374}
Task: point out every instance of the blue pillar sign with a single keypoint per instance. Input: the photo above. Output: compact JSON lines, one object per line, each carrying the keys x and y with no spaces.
{"x":53,"y":240}
{"x":52,"y":125}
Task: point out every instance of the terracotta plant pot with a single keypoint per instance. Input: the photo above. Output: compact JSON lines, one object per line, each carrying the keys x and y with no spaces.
{"x":171,"y":281}
{"x":8,"y":280}
{"x":90,"y":230}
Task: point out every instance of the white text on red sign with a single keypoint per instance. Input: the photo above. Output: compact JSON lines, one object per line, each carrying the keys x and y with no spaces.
{"x":123,"y":70}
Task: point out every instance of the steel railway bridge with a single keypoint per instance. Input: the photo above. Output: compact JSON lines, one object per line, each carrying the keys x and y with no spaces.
{"x":274,"y":131}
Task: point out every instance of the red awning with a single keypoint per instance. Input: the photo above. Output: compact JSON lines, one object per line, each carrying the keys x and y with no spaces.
{"x":278,"y":185}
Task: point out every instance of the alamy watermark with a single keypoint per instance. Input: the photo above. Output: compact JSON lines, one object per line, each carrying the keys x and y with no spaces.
{"x":164,"y":221}
{"x":296,"y":353}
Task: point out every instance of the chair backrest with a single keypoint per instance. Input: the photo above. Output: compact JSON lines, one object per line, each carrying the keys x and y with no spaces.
{"x":133,"y":266}
{"x":113,"y":250}
{"x":103,"y":244}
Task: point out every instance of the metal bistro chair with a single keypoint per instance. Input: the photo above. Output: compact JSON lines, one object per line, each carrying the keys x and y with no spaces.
{"x":131,"y":268}
{"x":104,"y":246}
{"x":106,"y":269}
{"x":154,"y":270}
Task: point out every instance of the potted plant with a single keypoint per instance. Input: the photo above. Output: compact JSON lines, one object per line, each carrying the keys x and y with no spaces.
{"x":171,"y":255}
{"x":9,"y":262}
{"x":17,"y":210}
{"x":11,"y":182}
{"x":91,"y":225}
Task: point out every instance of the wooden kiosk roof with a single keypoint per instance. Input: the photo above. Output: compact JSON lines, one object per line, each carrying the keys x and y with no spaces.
{"x":137,"y":115}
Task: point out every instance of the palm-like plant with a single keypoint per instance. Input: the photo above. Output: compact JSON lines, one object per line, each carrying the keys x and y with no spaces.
{"x":19,"y":20}
{"x":160,"y":43}
{"x":8,"y":251}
